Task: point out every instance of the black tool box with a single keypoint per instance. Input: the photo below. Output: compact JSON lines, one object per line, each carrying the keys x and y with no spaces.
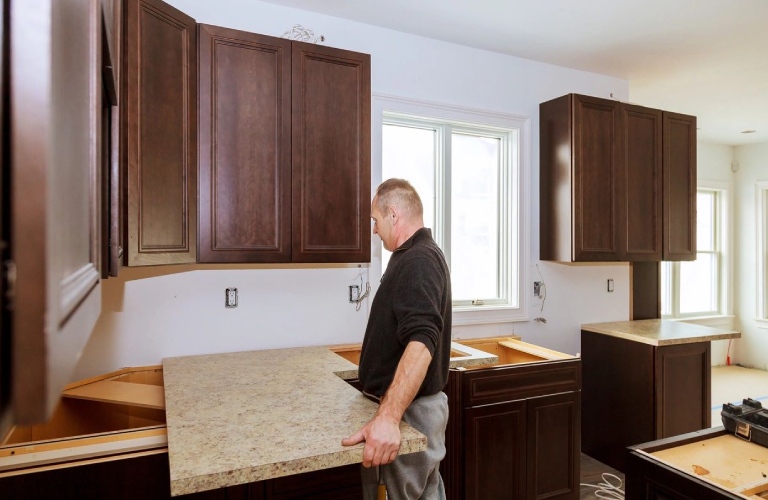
{"x":748,"y":421}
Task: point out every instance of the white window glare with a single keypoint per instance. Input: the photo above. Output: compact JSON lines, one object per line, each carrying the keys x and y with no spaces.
{"x":469,"y":177}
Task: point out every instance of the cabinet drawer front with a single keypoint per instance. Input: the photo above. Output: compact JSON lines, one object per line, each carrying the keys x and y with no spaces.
{"x":508,"y":383}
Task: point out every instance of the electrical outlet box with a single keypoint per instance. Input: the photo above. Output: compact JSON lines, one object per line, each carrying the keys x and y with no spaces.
{"x":537,"y":288}
{"x":354,"y":293}
{"x":230,"y":297}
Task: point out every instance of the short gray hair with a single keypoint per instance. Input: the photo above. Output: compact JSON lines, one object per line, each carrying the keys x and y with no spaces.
{"x":400,"y":193}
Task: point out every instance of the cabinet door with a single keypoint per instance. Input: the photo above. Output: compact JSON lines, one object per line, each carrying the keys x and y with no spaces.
{"x":554,"y":446}
{"x":245,"y":149}
{"x":331,"y":155}
{"x":54,"y":153}
{"x":495,"y":451}
{"x":682,"y":388}
{"x":597,"y":180}
{"x":161,"y":123}
{"x":679,"y":187}
{"x":640,"y":196}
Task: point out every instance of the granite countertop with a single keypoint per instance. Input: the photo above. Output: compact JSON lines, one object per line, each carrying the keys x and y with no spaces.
{"x":659,"y":332}
{"x":240,"y":417}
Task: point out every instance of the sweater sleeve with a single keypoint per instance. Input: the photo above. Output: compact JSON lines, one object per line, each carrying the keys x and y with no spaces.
{"x":417,"y":303}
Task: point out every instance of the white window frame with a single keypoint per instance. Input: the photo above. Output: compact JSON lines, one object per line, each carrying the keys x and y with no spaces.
{"x":405,"y":110}
{"x":723,"y":243}
{"x":761,"y":205}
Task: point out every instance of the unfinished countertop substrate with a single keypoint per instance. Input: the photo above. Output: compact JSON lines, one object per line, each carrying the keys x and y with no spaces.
{"x":240,"y":417}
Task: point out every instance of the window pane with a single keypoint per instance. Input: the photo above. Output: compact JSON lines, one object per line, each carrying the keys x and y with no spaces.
{"x":698,"y":284}
{"x":705,"y":221}
{"x":409,"y":153}
{"x":474,"y":217}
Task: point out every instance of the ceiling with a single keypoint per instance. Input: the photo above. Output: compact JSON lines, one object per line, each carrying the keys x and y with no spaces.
{"x":707,"y":58}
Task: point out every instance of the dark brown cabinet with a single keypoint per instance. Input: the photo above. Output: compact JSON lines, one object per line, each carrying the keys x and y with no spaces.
{"x":617,"y":182}
{"x":284,"y":150}
{"x":635,"y":392}
{"x":159,"y":121}
{"x":513,"y":430}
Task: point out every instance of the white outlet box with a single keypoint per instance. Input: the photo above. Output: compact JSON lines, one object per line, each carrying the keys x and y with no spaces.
{"x":230,"y":297}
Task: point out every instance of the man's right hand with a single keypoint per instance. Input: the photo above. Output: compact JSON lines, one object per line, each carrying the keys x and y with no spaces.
{"x":382,"y":440}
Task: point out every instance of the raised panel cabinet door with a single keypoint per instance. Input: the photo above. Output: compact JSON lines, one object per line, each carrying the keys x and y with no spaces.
{"x":640,"y":195}
{"x":495,"y":451}
{"x":54,"y":152}
{"x":161,"y":127}
{"x":598,"y":175}
{"x":554,"y":446}
{"x":245,"y":148}
{"x":331,"y":169}
{"x":679,"y":187}
{"x":682,"y":389}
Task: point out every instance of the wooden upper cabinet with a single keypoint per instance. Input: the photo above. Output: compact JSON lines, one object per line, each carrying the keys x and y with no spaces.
{"x":54,"y":91}
{"x":640,"y":199}
{"x":679,"y":187}
{"x":245,"y":146}
{"x":331,"y":136}
{"x":617,"y":182}
{"x":160,"y":118}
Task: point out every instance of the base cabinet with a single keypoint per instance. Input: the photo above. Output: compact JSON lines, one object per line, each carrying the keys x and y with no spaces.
{"x":514,"y":430}
{"x":706,"y":465}
{"x":655,"y":392}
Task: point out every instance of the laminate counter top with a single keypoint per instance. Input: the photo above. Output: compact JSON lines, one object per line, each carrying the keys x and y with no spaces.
{"x":659,"y":332}
{"x":240,"y":417}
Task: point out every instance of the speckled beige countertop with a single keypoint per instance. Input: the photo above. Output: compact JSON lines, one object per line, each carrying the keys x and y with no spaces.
{"x":240,"y":417}
{"x":661,"y":332}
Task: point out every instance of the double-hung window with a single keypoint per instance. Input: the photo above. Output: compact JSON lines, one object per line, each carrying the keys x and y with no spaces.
{"x":699,"y":288}
{"x":469,"y":177}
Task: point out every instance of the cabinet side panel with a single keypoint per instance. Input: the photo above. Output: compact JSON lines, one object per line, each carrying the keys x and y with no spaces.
{"x":597,"y":180}
{"x":331,"y":155}
{"x":555,"y":179}
{"x":245,"y":210}
{"x":641,"y":198}
{"x":679,"y":187}
{"x":617,"y":396}
{"x":162,"y":134}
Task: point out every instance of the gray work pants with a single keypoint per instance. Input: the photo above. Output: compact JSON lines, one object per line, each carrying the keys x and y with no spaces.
{"x":415,"y":475}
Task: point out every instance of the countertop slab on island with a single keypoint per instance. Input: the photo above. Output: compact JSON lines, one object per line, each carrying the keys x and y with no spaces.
{"x":660,"y":332}
{"x":240,"y":417}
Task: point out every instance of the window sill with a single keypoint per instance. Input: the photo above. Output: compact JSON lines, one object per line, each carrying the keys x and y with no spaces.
{"x":761,"y":323}
{"x":486,"y":314}
{"x":724,"y":321}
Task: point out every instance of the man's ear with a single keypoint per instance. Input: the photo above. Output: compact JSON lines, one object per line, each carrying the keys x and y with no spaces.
{"x":394,"y":214}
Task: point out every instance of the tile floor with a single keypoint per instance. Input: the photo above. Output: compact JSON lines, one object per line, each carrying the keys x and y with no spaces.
{"x":730,"y":384}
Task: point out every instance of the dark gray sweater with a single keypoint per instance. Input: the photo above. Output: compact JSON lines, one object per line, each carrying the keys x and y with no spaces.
{"x":413,"y":303}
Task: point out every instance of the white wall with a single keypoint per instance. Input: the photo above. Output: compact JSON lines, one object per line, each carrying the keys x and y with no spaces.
{"x":752,"y":349}
{"x":714,"y":164}
{"x":149,"y":314}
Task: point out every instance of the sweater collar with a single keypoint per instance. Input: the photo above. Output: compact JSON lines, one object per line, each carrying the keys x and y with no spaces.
{"x":420,"y":234}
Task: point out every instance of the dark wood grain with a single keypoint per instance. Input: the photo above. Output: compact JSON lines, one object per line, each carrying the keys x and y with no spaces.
{"x":331,"y":179}
{"x":161,"y":98}
{"x":679,"y":187}
{"x":245,"y":148}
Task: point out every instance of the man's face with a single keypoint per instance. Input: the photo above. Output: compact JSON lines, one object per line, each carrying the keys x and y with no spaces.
{"x":382,"y":225}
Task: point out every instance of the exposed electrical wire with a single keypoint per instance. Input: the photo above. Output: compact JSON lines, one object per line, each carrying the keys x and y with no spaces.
{"x":359,"y":300}
{"x":608,"y":489}
{"x":542,"y":286}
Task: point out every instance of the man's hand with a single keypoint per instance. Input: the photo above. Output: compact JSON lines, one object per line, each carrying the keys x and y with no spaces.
{"x":382,"y":440}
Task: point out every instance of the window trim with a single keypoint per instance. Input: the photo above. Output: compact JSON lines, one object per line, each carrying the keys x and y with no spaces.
{"x":761,"y":217}
{"x":724,"y":242}
{"x":468,"y":315}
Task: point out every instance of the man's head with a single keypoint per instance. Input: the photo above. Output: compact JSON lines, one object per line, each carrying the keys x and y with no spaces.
{"x":397,"y":212}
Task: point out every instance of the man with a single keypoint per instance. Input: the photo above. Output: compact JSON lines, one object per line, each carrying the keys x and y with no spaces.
{"x":406,"y":351}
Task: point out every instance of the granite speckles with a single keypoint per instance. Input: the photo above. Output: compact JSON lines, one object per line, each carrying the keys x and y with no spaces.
{"x":660,"y":332}
{"x":240,"y":417}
